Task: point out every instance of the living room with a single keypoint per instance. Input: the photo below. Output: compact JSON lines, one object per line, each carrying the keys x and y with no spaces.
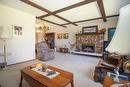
{"x":82,"y":29}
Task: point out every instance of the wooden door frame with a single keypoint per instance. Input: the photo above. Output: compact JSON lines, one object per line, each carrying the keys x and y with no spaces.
{"x":51,"y":34}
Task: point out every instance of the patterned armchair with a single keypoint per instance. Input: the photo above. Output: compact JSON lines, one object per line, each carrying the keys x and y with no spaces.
{"x":43,"y":52}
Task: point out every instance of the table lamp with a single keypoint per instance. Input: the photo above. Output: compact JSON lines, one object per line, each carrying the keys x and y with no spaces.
{"x":5,"y":34}
{"x":120,"y":42}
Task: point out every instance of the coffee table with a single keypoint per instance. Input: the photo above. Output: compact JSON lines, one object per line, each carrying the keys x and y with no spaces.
{"x":35,"y":79}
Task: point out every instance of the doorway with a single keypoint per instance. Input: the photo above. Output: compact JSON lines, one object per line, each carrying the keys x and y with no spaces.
{"x":50,"y":39}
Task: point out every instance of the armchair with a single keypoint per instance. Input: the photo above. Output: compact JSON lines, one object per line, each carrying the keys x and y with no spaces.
{"x":110,"y":62}
{"x":43,"y":52}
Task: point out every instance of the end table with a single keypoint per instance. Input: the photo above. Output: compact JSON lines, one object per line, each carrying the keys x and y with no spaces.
{"x":4,"y":64}
{"x":108,"y":81}
{"x":64,"y":50}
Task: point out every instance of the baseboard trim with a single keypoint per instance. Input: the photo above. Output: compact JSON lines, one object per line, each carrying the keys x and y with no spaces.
{"x":22,"y":62}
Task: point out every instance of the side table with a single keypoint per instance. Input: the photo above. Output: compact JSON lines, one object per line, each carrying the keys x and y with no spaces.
{"x":64,"y":50}
{"x":108,"y":81}
{"x":4,"y":64}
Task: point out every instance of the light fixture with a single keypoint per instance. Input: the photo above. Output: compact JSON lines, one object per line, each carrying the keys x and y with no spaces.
{"x":42,"y":27}
{"x":120,"y":42}
{"x":5,"y":33}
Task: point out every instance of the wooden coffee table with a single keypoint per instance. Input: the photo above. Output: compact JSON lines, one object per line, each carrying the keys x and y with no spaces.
{"x":35,"y":79}
{"x":108,"y":81}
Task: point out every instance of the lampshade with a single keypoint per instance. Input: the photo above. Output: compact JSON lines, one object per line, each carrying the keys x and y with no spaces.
{"x":5,"y":32}
{"x":120,"y":42}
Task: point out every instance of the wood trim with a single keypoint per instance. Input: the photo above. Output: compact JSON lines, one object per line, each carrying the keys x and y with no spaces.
{"x":35,"y":5}
{"x":46,"y":10}
{"x":92,"y":19}
{"x":65,"y":20}
{"x":101,"y":8}
{"x":68,"y":8}
{"x":89,"y":34}
{"x":54,"y":23}
{"x":51,"y":22}
{"x":113,"y":16}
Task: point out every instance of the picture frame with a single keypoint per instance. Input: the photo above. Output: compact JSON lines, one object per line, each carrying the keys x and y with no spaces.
{"x":59,"y":36}
{"x":111,"y":32}
{"x":90,"y":29}
{"x":17,"y":31}
{"x":65,"y":35}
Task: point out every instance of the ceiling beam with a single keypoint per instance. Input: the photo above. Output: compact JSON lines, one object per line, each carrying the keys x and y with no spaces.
{"x":92,"y":19}
{"x":68,"y":8}
{"x":45,"y":10}
{"x":52,"y":22}
{"x":101,"y":8}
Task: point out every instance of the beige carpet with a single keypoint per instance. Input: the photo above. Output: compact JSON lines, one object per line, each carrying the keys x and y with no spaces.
{"x":81,"y":66}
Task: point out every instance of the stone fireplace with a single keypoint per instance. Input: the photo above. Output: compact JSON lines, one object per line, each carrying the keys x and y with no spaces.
{"x":88,"y":48}
{"x":90,"y":43}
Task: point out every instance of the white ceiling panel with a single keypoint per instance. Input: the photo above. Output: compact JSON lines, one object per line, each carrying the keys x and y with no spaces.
{"x":53,"y":5}
{"x":112,"y":6}
{"x":88,"y":11}
{"x":55,"y":19}
{"x":17,"y":4}
{"x":84,"y":12}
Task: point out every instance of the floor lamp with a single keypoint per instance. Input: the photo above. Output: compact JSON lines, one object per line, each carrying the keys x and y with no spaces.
{"x":5,"y":34}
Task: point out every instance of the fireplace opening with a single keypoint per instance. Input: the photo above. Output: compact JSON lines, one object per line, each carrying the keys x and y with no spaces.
{"x":88,"y":48}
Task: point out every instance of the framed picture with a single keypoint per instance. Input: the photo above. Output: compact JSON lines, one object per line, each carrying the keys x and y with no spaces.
{"x":17,"y":31}
{"x":59,"y":36}
{"x":111,"y":32}
{"x":89,"y":29}
{"x":65,"y":36}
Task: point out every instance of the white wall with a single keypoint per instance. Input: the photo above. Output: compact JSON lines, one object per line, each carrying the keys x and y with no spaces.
{"x":72,"y":30}
{"x":21,"y":48}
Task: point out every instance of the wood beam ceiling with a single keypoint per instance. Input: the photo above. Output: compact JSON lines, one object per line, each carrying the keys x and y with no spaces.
{"x":101,"y":8}
{"x":99,"y":2}
{"x":93,"y":19}
{"x":68,"y":8}
{"x":51,"y":22}
{"x":46,"y":10}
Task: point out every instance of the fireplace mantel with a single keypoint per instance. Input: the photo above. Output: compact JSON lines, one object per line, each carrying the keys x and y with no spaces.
{"x":95,"y":39}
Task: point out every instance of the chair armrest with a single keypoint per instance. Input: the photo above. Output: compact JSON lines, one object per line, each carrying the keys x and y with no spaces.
{"x":105,"y":65}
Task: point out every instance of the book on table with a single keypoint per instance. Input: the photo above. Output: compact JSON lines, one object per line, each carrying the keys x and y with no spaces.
{"x":121,"y":77}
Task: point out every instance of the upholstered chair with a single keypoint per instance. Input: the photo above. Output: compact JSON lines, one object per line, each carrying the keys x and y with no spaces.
{"x":43,"y":52}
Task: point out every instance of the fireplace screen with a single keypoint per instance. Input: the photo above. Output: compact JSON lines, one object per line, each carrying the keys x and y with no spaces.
{"x":88,"y":48}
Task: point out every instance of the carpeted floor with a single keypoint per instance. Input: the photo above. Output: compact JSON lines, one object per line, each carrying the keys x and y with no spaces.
{"x":81,"y":66}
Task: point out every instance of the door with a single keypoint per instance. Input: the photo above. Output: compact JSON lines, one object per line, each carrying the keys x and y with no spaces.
{"x":111,"y":32}
{"x":50,"y":39}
